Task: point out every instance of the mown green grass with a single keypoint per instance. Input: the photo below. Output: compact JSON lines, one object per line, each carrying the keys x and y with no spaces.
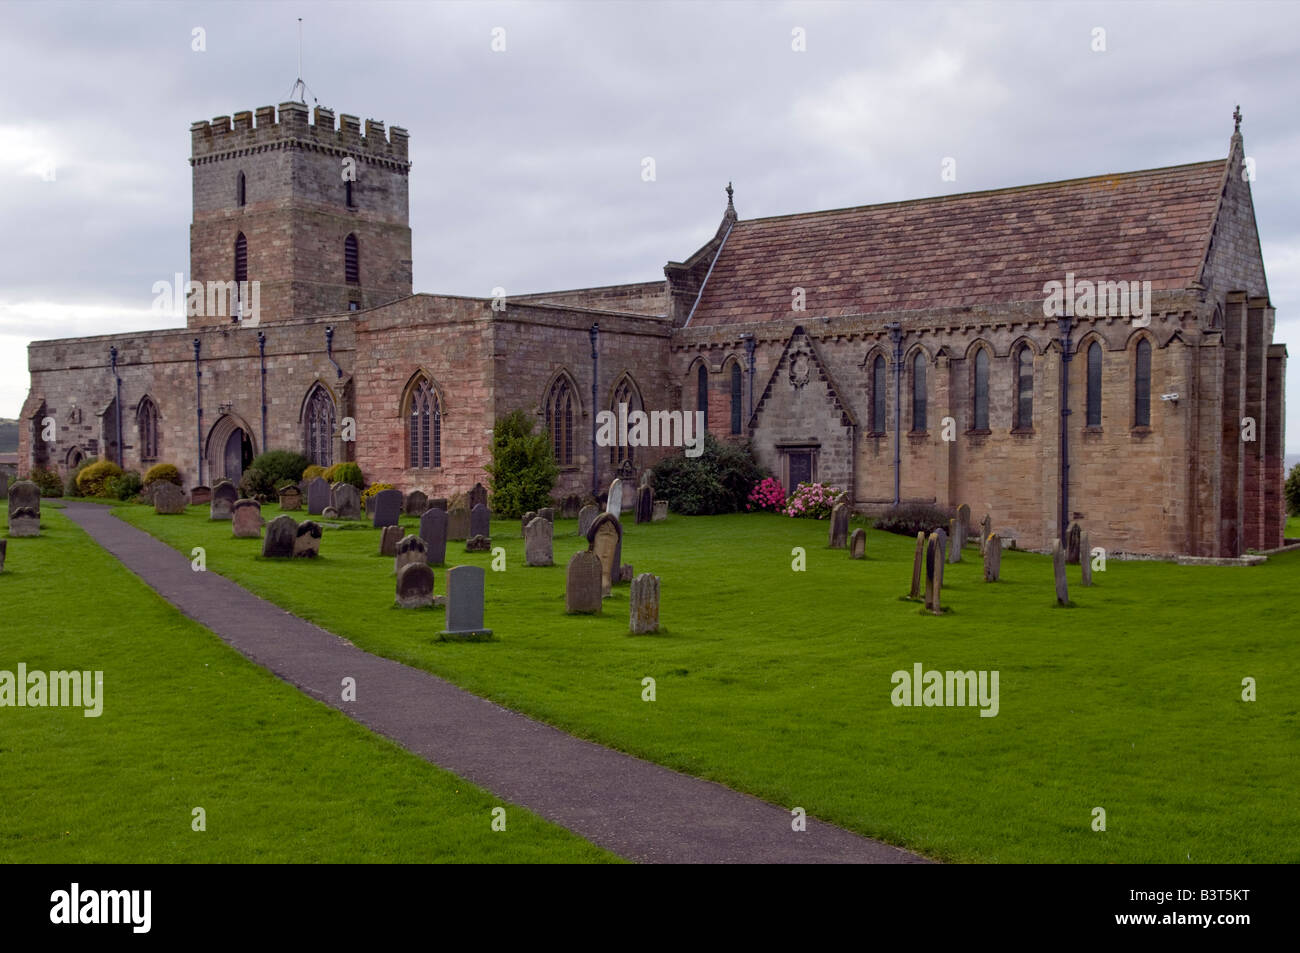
{"x":188,"y":722}
{"x":778,"y":682}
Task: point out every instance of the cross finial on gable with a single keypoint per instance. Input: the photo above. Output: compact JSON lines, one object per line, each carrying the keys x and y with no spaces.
{"x":1236,"y":119}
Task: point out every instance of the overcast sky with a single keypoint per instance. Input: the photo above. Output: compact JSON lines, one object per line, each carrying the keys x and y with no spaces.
{"x":527,"y":162}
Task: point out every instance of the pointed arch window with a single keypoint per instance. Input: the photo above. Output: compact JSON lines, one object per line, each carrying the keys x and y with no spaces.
{"x":1024,"y":388}
{"x":702,"y":392}
{"x":980,"y":417}
{"x":318,"y":427}
{"x":918,"y":393}
{"x":1142,"y":385}
{"x":559,"y":419}
{"x":146,"y":421}
{"x":624,"y":393}
{"x":351,"y":261}
{"x":1094,"y":385}
{"x":241,"y":193}
{"x":424,"y":434}
{"x":735,"y":398}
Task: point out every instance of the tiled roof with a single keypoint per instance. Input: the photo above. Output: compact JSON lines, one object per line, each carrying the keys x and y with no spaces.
{"x":978,"y":248}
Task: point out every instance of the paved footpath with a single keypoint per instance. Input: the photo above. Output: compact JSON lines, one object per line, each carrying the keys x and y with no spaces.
{"x":638,"y":810}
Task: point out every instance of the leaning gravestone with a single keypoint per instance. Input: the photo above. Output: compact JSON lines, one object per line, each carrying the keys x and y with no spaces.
{"x":605,"y":538}
{"x":4,"y":545}
{"x":416,"y":502}
{"x":410,"y":549}
{"x":645,"y":504}
{"x":586,"y":516}
{"x":389,"y":539}
{"x":168,"y":498}
{"x":388,"y":507}
{"x":1072,"y":538}
{"x":582,"y":585}
{"x":247,"y":517}
{"x":1058,"y":566}
{"x":614,"y":505}
{"x":290,"y":498}
{"x":480,"y":520}
{"x":963,"y":526}
{"x":24,"y":509}
{"x":917,"y":561}
{"x":346,"y":501}
{"x":537,"y":543}
{"x":992,"y":558}
{"x":934,"y":573}
{"x":858,"y":544}
{"x":458,"y":524}
{"x":415,"y":585}
{"x":200,"y":495}
{"x":281,"y":533}
{"x":660,"y":511}
{"x":478,"y":544}
{"x":839,"y":526}
{"x":318,"y":496}
{"x":1085,"y":558}
{"x":224,"y":496}
{"x":306,"y":540}
{"x":954,"y":534}
{"x":433,"y":530}
{"x":644,"y":604}
{"x":477,"y":495}
{"x":465,"y":604}
{"x":986,"y":530}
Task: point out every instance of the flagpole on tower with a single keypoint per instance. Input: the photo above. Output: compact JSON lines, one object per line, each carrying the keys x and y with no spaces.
{"x":300,"y":90}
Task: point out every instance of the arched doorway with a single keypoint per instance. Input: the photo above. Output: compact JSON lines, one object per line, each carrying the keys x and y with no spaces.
{"x":230,"y":449}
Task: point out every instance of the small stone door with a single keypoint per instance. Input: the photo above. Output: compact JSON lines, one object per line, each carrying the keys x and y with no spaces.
{"x":236,"y":452}
{"x":799,"y":466}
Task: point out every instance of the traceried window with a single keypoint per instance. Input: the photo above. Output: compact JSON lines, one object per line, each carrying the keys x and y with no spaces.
{"x":878,"y":391}
{"x":624,"y":393}
{"x":736,"y":389}
{"x":918,"y":393}
{"x":1094,"y":384}
{"x":351,"y":261}
{"x":1024,"y":388}
{"x":559,"y":420}
{"x":425,"y":428}
{"x":1142,"y":385}
{"x":981,"y":402}
{"x":318,"y":427}
{"x":146,"y":421}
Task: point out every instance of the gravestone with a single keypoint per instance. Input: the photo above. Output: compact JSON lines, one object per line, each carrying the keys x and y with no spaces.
{"x":605,"y":539}
{"x":281,"y":534}
{"x":547,"y":513}
{"x":24,"y":509}
{"x":4,"y":486}
{"x":168,"y":498}
{"x":963,"y":527}
{"x":224,"y":496}
{"x":458,"y":524}
{"x":318,"y":496}
{"x":643,"y":613}
{"x":465,"y":604}
{"x":200,"y":495}
{"x":416,"y":502}
{"x":247,"y":517}
{"x":986,"y":530}
{"x":943,"y":542}
{"x":346,"y":501}
{"x":614,"y":506}
{"x":410,"y":549}
{"x":1072,"y":544}
{"x":537,"y":543}
{"x":934,"y":572}
{"x":525,"y":520}
{"x":4,"y":545}
{"x":388,"y":507}
{"x":437,"y":503}
{"x":1058,"y":566}
{"x":570,"y":505}
{"x":370,"y":506}
{"x":645,"y":504}
{"x":478,"y":495}
{"x":415,"y":585}
{"x":660,"y":511}
{"x":992,"y":558}
{"x":291,"y":498}
{"x":954,"y":550}
{"x":586,"y":516}
{"x":389,"y":539}
{"x":478,"y":544}
{"x":433,"y":530}
{"x":480,"y":520}
{"x":917,"y":561}
{"x":306,"y":540}
{"x":839,"y":526}
{"x":858,"y":544}
{"x":582,"y":583}
{"x":1085,"y":558}
{"x":625,"y":573}
{"x":330,"y":513}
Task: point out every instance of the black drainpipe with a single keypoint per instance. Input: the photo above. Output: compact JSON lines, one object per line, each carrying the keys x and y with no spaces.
{"x":749,"y":351}
{"x":594,"y":333}
{"x":1064,"y":326}
{"x":198,"y":403}
{"x":117,"y":404}
{"x":896,"y":335}
{"x":329,"y":351}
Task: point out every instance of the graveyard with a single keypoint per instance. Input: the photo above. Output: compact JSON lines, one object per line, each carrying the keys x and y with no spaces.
{"x":776,"y":681}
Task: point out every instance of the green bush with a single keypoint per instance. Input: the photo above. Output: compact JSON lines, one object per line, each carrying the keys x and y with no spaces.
{"x":254,"y":483}
{"x":345,"y":473}
{"x":371,"y":490}
{"x":523,"y":471}
{"x":1292,"y":491}
{"x":125,"y":487}
{"x":70,"y":487}
{"x":717,"y":481}
{"x":47,"y":480}
{"x":280,"y":467}
{"x":163,"y":471}
{"x":91,"y":481}
{"x":312,"y":472}
{"x":908,"y":519}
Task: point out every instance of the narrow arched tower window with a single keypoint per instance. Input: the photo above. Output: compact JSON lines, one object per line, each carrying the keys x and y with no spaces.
{"x":241,"y":258}
{"x":240,"y":190}
{"x":1142,"y":385}
{"x":878,"y":392}
{"x":735,"y":398}
{"x":351,"y":261}
{"x":702,"y":393}
{"x":1024,"y":388}
{"x":918,"y":393}
{"x":981,"y":415}
{"x":1094,"y":384}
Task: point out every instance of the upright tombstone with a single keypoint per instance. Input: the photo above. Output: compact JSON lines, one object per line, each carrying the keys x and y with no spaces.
{"x":582,"y":583}
{"x":4,"y":486}
{"x":943,"y":542}
{"x":839,"y":526}
{"x":389,"y":539}
{"x":570,"y":505}
{"x":388,"y":508}
{"x":24,"y":509}
{"x":660,"y":511}
{"x":415,"y":503}
{"x":437,"y":503}
{"x":986,"y":530}
{"x":306,"y":540}
{"x":547,"y":513}
{"x":415,"y":585}
{"x":858,"y":544}
{"x":168,"y":498}
{"x":1058,"y":566}
{"x":246,"y":516}
{"x":934,"y":572}
{"x":1085,"y":558}
{"x":954,"y":540}
{"x":537,"y":543}
{"x":917,"y":561}
{"x":614,"y":504}
{"x":643,"y":603}
{"x":586,"y":516}
{"x":346,"y":501}
{"x":281,"y":533}
{"x":458,"y":524}
{"x":330,"y":513}
{"x":465,"y":604}
{"x":200,"y":495}
{"x":370,"y":506}
{"x":224,"y":497}
{"x":992,"y":558}
{"x":290,"y":498}
{"x":410,"y":549}
{"x":963,"y":526}
{"x":525,"y":520}
{"x":1072,"y":538}
{"x":477,"y":495}
{"x":433,"y":530}
{"x":318,"y":496}
{"x":605,"y":539}
{"x":645,"y":504}
{"x":480,"y":520}
{"x":4,"y":545}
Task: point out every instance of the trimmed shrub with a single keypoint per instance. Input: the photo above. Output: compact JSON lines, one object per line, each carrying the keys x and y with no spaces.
{"x":523,"y":470}
{"x":70,"y":487}
{"x":1292,"y":491}
{"x":813,"y":500}
{"x":719,"y":480}
{"x":908,"y":519}
{"x":125,"y":487}
{"x":91,"y":481}
{"x":254,"y":483}
{"x":345,"y":473}
{"x":312,"y":472}
{"x":163,"y":471}
{"x":279,"y":467}
{"x":47,"y":480}
{"x":374,"y":488}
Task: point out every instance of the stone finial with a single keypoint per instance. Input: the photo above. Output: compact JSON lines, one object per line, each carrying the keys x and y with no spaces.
{"x":730,"y":193}
{"x":1236,"y":120}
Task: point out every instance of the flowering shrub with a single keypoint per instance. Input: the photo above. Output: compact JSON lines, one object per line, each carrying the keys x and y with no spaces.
{"x":767,"y":494}
{"x":813,"y":500}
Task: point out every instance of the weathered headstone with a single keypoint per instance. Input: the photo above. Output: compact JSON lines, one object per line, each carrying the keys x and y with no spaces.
{"x":660,"y":511}
{"x":992,"y":558}
{"x":582,"y":586}
{"x":963,"y":526}
{"x":410,"y":549}
{"x":1085,"y":558}
{"x":934,"y":573}
{"x":645,"y":504}
{"x":224,"y":496}
{"x":570,"y":505}
{"x":415,"y":585}
{"x":1072,"y":544}
{"x":1058,"y":566}
{"x":388,"y":507}
{"x":858,"y":544}
{"x":586,"y":516}
{"x":943,"y":542}
{"x":330,"y":513}
{"x":525,"y":520}
{"x":168,"y":498}
{"x":465,"y":604}
{"x":477,"y":495}
{"x":839,"y":531}
{"x":614,"y":504}
{"x":605,"y":538}
{"x":480,"y":520}
{"x":478,"y":544}
{"x":537,"y":543}
{"x":318,"y":496}
{"x":370,"y":506}
{"x":917,"y":561}
{"x":986,"y":530}
{"x":4,"y":545}
{"x":290,"y":498}
{"x":306,"y":540}
{"x":4,"y":486}
{"x":389,"y":539}
{"x":547,"y":513}
{"x":200,"y":495}
{"x":415,"y":503}
{"x":954,"y":540}
{"x":346,"y":500}
{"x":625,"y":573}
{"x":247,"y":518}
{"x":433,"y":530}
{"x":644,"y":603}
{"x":281,"y":533}
{"x":458,"y":524}
{"x":437,"y":503}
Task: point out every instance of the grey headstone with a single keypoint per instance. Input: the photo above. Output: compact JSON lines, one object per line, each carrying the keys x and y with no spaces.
{"x":917,"y":561}
{"x":410,"y":549}
{"x":986,"y":530}
{"x":433,"y":530}
{"x":222,"y":505}
{"x":858,"y":544}
{"x":465,"y":604}
{"x":537,"y":543}
{"x":1085,"y":558}
{"x":1058,"y":567}
{"x":388,"y":507}
{"x":547,"y":513}
{"x":478,"y":494}
{"x":839,"y":531}
{"x":605,"y":539}
{"x":415,"y":585}
{"x":480,"y":520}
{"x":4,"y":546}
{"x":660,"y":511}
{"x":281,"y":534}
{"x":389,"y":539}
{"x":586,"y":516}
{"x":291,"y":498}
{"x":247,"y":517}
{"x":992,"y":558}
{"x":416,"y":502}
{"x":614,"y":503}
{"x":458,"y":524}
{"x":1072,"y":538}
{"x":525,"y":520}
{"x":318,"y":496}
{"x":438,"y":503}
{"x":625,"y":573}
{"x":963,"y":526}
{"x":370,"y":506}
{"x":643,"y":612}
{"x":582,"y":586}
{"x":645,"y":479}
{"x":4,"y":486}
{"x":478,"y":544}
{"x":943,"y":542}
{"x":569,"y":507}
{"x":306,"y":540}
{"x":934,"y":573}
{"x":346,"y":500}
{"x":200,"y":495}
{"x":954,"y":537}
{"x":168,"y":498}
{"x":645,"y":504}
{"x":330,"y":513}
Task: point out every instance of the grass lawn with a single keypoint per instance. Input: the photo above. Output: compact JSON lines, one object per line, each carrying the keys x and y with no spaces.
{"x":188,"y":722}
{"x":778,"y":682}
